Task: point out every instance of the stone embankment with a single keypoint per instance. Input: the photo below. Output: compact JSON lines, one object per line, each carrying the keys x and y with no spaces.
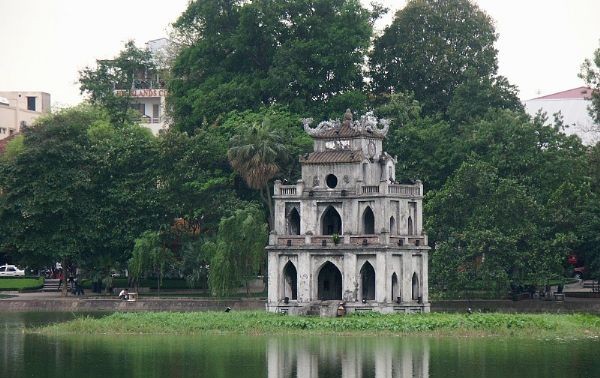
{"x":34,"y":302}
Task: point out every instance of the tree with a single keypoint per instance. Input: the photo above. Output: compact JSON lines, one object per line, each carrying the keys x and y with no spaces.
{"x":238,"y":251}
{"x":430,"y":48}
{"x":485,"y":230}
{"x":476,"y":96}
{"x":256,"y":154}
{"x":124,"y":188}
{"x":237,"y":55}
{"x":196,"y":182}
{"x":47,"y":191}
{"x":79,"y":192}
{"x":150,"y":255}
{"x":590,"y":73}
{"x":109,"y":83}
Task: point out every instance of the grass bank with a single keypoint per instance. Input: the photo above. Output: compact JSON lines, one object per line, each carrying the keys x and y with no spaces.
{"x":21,"y":283}
{"x":520,"y":325}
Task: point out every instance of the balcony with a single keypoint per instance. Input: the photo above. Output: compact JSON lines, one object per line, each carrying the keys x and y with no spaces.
{"x":346,"y":241}
{"x":148,"y":119}
{"x":383,"y":189}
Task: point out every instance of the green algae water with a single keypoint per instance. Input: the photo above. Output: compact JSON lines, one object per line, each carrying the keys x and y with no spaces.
{"x":228,"y":356}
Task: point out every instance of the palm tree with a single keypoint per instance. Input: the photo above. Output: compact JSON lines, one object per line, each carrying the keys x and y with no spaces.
{"x":256,"y":154}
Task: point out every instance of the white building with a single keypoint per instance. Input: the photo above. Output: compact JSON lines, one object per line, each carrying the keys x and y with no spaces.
{"x":573,"y":105}
{"x":148,"y":93}
{"x":347,"y":232}
{"x":18,"y":108}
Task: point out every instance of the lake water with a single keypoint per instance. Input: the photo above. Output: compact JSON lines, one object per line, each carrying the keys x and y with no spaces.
{"x":30,"y":355}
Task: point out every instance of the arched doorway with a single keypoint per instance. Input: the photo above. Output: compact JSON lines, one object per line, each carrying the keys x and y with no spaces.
{"x":392,"y":226}
{"x":331,"y":222}
{"x":410,"y":226}
{"x":367,"y":282}
{"x":368,"y":221}
{"x":290,"y":281}
{"x":293,"y":222}
{"x":395,"y":289}
{"x":329,"y":283}
{"x":415,"y":287}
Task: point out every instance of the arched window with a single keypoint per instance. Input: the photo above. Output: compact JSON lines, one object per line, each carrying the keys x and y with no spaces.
{"x":331,"y":222}
{"x":290,"y":281}
{"x":367,"y":281}
{"x":415,"y":287}
{"x":293,"y":222}
{"x":329,"y":283}
{"x":368,"y":221}
{"x":364,"y":173}
{"x":395,"y":289}
{"x":410,"y":226}
{"x":392,"y":226}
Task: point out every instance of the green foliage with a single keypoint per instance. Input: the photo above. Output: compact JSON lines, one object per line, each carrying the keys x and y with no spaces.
{"x":120,"y":73}
{"x":47,"y":190}
{"x":590,"y":73}
{"x":485,"y":228}
{"x":196,"y":182}
{"x":431,"y":48}
{"x":149,"y":256}
{"x":21,"y":283}
{"x":498,"y":325}
{"x":13,"y":148}
{"x":79,"y":192}
{"x":257,"y":152}
{"x":243,"y":55}
{"x":238,"y":251}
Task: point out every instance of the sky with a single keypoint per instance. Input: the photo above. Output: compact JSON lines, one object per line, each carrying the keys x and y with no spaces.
{"x":45,"y":43}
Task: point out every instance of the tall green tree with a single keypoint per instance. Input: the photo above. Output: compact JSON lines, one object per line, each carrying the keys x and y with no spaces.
{"x":256,"y":154}
{"x":150,"y":255}
{"x":237,"y":55}
{"x":590,"y":73}
{"x":430,"y":48}
{"x":109,"y":82}
{"x":196,"y":182}
{"x":47,"y":191}
{"x":485,"y":230}
{"x":238,"y":251}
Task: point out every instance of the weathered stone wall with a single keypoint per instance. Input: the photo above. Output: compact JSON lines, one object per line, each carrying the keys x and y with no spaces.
{"x":524,"y":306}
{"x":115,"y":305}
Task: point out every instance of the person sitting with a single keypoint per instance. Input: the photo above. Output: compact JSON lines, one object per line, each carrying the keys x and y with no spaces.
{"x":124,"y":294}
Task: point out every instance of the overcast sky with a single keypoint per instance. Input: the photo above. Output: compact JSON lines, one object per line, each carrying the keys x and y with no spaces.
{"x":44,"y":43}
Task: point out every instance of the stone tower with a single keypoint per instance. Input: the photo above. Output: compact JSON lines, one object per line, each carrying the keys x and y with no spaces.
{"x":347,"y":231}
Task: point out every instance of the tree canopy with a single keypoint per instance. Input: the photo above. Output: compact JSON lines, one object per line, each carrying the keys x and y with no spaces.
{"x":590,"y":73}
{"x":235,"y":55}
{"x":432,"y":47}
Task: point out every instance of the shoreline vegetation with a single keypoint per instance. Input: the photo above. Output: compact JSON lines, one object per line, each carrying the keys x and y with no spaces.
{"x":533,"y":326}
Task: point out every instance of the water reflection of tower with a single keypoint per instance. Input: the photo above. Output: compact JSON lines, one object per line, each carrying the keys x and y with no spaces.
{"x":347,"y":357}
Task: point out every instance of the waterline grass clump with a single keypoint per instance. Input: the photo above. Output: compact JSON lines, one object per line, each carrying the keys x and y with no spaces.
{"x":190,"y":323}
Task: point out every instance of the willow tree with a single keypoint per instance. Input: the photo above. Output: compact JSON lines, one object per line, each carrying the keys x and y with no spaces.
{"x":238,"y":251}
{"x":257,"y":154}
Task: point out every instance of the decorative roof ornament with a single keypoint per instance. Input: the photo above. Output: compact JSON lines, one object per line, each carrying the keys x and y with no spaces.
{"x":367,"y":125}
{"x":321,"y":127}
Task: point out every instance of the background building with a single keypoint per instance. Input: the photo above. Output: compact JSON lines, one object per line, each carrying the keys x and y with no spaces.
{"x":573,"y":105}
{"x":18,"y":108}
{"x":147,"y":93}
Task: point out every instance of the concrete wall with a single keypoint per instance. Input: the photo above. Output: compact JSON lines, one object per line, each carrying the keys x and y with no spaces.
{"x":115,"y":305}
{"x":12,"y":115}
{"x":523,"y":306}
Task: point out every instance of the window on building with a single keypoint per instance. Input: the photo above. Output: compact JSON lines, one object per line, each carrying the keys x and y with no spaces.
{"x":31,"y":103}
{"x":368,"y":221}
{"x":141,"y":108}
{"x":2,"y":130}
